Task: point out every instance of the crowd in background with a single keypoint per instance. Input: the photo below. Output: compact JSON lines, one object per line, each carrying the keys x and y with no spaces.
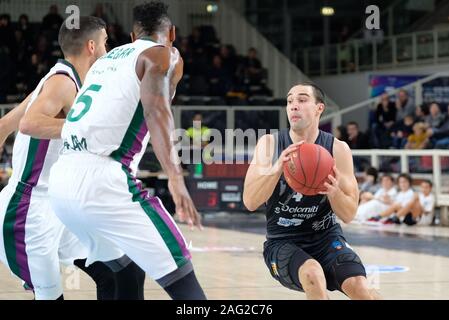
{"x":28,"y":51}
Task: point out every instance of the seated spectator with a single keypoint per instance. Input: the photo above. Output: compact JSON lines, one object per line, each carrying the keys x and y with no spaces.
{"x":401,"y":131}
{"x":99,"y":13}
{"x":340,"y":133}
{"x":219,"y":79}
{"x":424,"y":207}
{"x":397,"y":211}
{"x":419,"y":138}
{"x":356,"y":139}
{"x":371,"y":205}
{"x":253,"y":67}
{"x":386,"y":112}
{"x":435,"y":119}
{"x":116,"y":37}
{"x":420,"y":113}
{"x":404,"y":105}
{"x":230,"y":60}
{"x":440,"y":136}
{"x":53,"y":20}
{"x":369,"y":184}
{"x":196,"y":42}
{"x":384,"y":121}
{"x":5,"y":167}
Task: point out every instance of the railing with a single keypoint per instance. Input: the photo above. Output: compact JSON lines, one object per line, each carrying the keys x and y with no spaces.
{"x":410,"y":49}
{"x":440,"y":161}
{"x":418,"y":98}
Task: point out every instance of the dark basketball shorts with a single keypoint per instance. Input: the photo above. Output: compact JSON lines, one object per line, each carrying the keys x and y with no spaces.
{"x":338,"y":260}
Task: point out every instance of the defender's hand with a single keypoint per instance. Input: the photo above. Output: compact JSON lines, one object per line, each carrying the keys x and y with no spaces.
{"x":185,"y":209}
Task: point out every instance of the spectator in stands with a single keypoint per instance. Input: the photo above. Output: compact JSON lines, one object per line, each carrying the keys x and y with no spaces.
{"x":99,"y":13}
{"x":116,"y":37}
{"x":420,"y":113}
{"x":435,"y":119}
{"x":186,"y":53}
{"x":384,"y":121}
{"x":38,"y":65}
{"x":198,"y":133}
{"x":5,"y":166}
{"x":424,"y":208}
{"x":386,"y":112}
{"x":218,"y":77}
{"x":419,"y":139}
{"x":404,"y":105}
{"x":230,"y":60}
{"x":5,"y":157}
{"x":340,"y":133}
{"x":7,"y":34}
{"x":372,"y":204}
{"x":369,"y":184}
{"x":6,"y":73}
{"x":252,"y":67}
{"x":196,"y":42}
{"x":53,"y":20}
{"x":24,"y":23}
{"x":397,"y":211}
{"x":356,"y":139}
{"x":440,"y":136}
{"x":401,"y":131}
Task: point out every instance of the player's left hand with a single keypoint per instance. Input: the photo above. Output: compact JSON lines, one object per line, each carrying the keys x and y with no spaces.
{"x":332,"y":188}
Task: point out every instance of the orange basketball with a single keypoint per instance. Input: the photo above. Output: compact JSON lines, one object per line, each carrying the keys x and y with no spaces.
{"x":308,"y":169}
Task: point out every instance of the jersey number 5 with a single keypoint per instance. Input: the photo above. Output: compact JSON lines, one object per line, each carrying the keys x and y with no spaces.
{"x":85,"y":100}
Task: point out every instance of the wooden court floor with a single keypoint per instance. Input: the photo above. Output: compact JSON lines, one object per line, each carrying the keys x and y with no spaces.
{"x":229,"y":265}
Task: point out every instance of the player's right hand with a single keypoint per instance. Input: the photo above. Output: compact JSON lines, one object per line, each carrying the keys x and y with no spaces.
{"x":285,"y":155}
{"x":185,"y":208}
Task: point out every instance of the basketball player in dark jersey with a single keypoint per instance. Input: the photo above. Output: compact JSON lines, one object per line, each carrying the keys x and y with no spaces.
{"x":305,"y":248}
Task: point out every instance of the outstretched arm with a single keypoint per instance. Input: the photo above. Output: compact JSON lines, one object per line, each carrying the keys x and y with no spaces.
{"x":10,"y":122}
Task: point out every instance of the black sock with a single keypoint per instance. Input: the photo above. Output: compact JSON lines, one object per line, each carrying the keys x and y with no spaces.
{"x":130,"y":282}
{"x":103,"y":276}
{"x":186,"y":288}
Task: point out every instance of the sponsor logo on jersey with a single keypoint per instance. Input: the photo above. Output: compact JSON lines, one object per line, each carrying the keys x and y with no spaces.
{"x":284,"y":222}
{"x":284,"y":208}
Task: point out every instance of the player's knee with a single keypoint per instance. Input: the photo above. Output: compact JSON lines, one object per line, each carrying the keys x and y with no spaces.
{"x":311,"y":273}
{"x":358,"y":283}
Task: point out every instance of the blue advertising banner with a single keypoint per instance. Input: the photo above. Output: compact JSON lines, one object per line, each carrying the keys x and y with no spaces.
{"x":381,"y":83}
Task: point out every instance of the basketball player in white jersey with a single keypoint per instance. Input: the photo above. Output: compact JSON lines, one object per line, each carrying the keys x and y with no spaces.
{"x":31,"y":234}
{"x":93,"y":190}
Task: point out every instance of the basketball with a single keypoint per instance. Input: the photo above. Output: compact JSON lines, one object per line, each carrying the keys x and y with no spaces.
{"x":308,"y":169}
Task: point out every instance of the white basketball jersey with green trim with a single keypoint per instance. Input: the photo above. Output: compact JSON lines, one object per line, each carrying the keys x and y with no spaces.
{"x":107,"y":116}
{"x":32,"y":158}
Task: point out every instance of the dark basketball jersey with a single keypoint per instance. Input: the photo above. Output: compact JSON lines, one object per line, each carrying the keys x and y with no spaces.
{"x":290,"y":214}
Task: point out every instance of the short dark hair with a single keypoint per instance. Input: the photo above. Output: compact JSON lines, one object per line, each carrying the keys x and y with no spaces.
{"x":428,"y":182}
{"x":352,"y":123}
{"x":371,"y":171}
{"x":318,"y":93}
{"x":72,"y":40}
{"x":406,"y":176}
{"x":388,"y":176}
{"x":151,"y":16}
